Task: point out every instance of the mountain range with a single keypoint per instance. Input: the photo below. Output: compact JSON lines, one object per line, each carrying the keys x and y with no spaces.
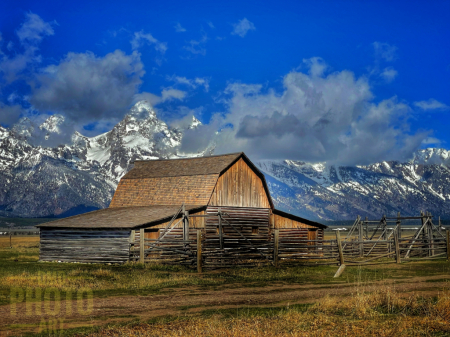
{"x":38,"y":180}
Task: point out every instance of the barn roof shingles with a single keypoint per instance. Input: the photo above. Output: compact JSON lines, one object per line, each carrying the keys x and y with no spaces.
{"x":121,"y":217}
{"x":181,"y":167}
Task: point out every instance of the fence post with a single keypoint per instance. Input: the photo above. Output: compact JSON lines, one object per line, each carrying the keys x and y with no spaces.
{"x":397,"y":248}
{"x":448,"y":245}
{"x":275,"y":247}
{"x":360,"y":238}
{"x":341,"y":256}
{"x":199,"y":251}
{"x":339,"y":244}
{"x":141,"y":245}
{"x":220,"y":229}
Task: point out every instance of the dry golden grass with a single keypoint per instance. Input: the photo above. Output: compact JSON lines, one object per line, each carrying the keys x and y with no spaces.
{"x":383,"y":312}
{"x":97,"y":279}
{"x":19,"y":241}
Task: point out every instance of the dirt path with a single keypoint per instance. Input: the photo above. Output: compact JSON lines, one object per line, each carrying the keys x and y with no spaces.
{"x":184,"y":301}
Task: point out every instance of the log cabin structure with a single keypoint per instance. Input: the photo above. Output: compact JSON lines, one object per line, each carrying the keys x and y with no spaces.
{"x":161,"y":207}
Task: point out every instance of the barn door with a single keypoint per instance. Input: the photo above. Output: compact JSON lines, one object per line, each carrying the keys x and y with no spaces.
{"x":236,"y":236}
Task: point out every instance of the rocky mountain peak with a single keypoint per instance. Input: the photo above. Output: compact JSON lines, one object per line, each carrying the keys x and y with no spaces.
{"x":24,"y":128}
{"x":434,"y":156}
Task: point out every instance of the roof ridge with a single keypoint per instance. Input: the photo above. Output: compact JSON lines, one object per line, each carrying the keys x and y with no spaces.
{"x":189,"y":158}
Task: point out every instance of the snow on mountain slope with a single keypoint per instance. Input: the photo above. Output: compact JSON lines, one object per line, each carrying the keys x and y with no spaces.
{"x":40,"y":181}
{"x":80,"y":176}
{"x":381,"y":188}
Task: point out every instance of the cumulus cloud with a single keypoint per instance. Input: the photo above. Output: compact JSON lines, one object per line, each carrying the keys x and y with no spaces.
{"x":242,"y":27}
{"x":84,"y":87}
{"x":140,"y":39}
{"x":318,"y":116}
{"x":192,"y":83}
{"x":385,"y":51}
{"x":389,"y":74}
{"x":179,"y":28}
{"x":431,"y":104}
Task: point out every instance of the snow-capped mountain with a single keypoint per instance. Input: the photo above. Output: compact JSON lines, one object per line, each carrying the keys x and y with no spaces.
{"x":39,"y":180}
{"x":336,"y":192}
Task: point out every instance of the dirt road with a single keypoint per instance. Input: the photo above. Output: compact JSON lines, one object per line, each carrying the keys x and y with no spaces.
{"x":189,"y":301}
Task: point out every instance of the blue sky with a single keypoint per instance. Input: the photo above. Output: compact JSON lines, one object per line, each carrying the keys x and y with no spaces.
{"x":332,"y":81}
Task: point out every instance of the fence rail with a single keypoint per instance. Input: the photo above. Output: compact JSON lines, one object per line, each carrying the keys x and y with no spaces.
{"x":225,"y":242}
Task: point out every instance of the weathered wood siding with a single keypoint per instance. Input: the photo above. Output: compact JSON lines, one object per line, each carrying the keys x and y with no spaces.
{"x":191,"y":190}
{"x":85,"y":245}
{"x":240,"y":186}
{"x":280,"y":222}
{"x":253,"y":223}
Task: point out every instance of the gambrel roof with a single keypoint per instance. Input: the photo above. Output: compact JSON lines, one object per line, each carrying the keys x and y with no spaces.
{"x":176,"y":181}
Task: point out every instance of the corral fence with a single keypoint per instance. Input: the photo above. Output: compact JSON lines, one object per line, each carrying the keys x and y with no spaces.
{"x":227,"y":241}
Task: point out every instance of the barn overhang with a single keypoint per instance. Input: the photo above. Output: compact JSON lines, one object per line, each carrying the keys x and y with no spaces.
{"x":123,"y":217}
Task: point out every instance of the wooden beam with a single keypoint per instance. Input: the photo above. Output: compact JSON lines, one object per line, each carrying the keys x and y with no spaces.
{"x":220,"y":229}
{"x":339,"y":244}
{"x":141,"y":245}
{"x":275,"y":247}
{"x":397,"y":248}
{"x":199,"y":251}
{"x":360,"y":237}
{"x":448,"y":245}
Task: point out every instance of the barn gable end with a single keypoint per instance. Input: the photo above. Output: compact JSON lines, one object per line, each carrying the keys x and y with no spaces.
{"x":240,"y":186}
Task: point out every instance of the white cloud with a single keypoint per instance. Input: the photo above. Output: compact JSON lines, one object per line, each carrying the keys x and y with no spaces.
{"x":242,"y":27}
{"x":192,"y":83}
{"x":34,"y":29}
{"x":141,"y":38}
{"x":431,"y":140}
{"x":210,"y":24}
{"x":179,"y":28}
{"x":316,"y":117}
{"x":167,"y":94}
{"x":197,"y":47}
{"x":30,"y":34}
{"x":389,"y":74}
{"x":431,"y":104}
{"x":170,"y":94}
{"x":385,"y":51}
{"x":86,"y":88}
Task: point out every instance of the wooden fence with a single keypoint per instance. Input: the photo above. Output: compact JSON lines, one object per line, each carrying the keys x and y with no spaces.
{"x":226,"y":242}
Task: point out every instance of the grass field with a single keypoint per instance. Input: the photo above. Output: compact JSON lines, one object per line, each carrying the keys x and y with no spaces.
{"x":154,"y":300}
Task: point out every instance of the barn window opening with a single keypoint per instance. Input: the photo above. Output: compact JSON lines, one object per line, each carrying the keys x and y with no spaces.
{"x":255,"y":230}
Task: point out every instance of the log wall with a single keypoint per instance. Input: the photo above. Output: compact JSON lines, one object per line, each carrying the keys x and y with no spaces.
{"x":240,"y":186}
{"x":84,"y":245}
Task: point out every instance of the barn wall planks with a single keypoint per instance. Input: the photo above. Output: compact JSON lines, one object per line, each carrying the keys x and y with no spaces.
{"x":81,"y":245}
{"x":240,"y":186}
{"x":280,"y":222}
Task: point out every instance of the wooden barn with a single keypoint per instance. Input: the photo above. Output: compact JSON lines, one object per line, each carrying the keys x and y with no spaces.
{"x":163,"y":209}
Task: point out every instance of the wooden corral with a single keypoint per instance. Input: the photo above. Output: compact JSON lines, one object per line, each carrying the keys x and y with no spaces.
{"x":165,"y":205}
